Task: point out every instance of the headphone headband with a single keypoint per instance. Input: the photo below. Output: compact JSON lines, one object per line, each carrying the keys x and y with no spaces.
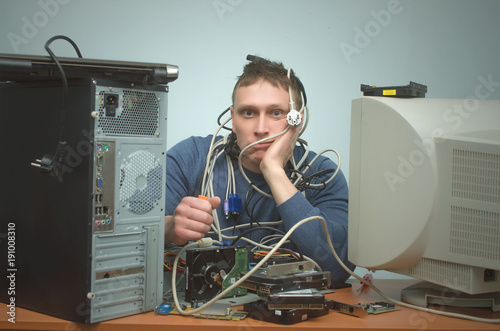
{"x":255,"y":58}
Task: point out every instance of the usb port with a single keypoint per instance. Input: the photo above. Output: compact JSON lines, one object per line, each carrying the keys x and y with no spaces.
{"x":98,"y":198}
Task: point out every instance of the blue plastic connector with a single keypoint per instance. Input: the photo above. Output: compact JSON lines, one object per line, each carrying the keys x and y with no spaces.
{"x":164,"y":309}
{"x":234,"y":203}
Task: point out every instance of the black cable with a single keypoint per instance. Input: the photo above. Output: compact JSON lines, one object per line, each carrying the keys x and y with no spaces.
{"x":220,"y":117}
{"x":64,"y":79}
{"x":54,"y":165}
{"x":305,"y":182}
{"x":250,"y":215}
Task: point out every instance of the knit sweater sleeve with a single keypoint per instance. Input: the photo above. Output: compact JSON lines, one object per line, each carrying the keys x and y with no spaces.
{"x":331,"y":203}
{"x":184,"y":169}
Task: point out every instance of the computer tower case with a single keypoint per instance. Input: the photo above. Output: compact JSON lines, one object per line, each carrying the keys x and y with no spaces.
{"x":85,"y":244}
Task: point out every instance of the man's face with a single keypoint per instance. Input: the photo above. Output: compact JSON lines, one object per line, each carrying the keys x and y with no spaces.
{"x":259,"y":111}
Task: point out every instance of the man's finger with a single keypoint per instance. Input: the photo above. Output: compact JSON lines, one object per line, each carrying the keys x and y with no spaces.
{"x":214,"y":201}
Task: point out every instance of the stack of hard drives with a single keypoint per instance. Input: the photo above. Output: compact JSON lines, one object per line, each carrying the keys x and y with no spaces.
{"x":290,"y":293}
{"x":289,"y":290}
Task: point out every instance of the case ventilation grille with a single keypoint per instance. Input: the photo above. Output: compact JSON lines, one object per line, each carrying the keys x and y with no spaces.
{"x":139,"y":115}
{"x":475,"y":232}
{"x":476,"y":176}
{"x":443,"y":273}
{"x":140,"y":182}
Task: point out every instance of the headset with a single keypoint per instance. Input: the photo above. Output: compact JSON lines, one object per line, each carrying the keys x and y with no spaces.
{"x":293,"y":117}
{"x":298,"y":175}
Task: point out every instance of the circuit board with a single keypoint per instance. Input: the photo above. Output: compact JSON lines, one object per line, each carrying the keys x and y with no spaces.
{"x":379,"y":307}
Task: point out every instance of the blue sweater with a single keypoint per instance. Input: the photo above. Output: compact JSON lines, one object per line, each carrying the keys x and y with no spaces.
{"x":185,"y":166}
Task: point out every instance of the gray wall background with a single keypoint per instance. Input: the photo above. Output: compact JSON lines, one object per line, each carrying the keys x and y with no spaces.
{"x":333,"y":46}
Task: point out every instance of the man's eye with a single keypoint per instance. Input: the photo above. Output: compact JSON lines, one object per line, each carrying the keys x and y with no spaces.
{"x":247,"y":112}
{"x":277,"y":113}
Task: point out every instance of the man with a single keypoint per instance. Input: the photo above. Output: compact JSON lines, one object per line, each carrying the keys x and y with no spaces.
{"x":261,"y":103}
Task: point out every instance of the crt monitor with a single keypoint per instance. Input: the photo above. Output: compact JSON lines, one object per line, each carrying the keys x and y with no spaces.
{"x":424,"y":200}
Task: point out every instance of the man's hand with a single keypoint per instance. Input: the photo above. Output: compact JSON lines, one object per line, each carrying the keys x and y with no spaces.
{"x":192,"y":219}
{"x":273,"y":162}
{"x":281,"y":150}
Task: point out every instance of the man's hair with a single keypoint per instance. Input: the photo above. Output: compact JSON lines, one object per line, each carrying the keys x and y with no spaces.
{"x":272,"y":72}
